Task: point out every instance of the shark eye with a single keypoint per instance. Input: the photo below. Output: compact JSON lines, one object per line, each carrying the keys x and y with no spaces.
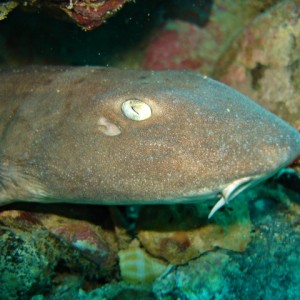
{"x":136,"y":110}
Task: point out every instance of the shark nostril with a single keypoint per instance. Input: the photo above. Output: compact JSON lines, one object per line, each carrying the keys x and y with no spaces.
{"x":107,"y":127}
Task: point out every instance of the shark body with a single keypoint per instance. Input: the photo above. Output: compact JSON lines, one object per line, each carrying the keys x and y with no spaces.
{"x":119,"y":137}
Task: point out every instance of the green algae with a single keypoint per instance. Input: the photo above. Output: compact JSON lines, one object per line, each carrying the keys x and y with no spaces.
{"x":6,"y":8}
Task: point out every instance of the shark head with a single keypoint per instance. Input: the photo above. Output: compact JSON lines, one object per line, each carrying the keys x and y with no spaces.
{"x":120,"y":137}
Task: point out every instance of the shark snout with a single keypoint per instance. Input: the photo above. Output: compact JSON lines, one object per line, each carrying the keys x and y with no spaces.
{"x":285,"y":150}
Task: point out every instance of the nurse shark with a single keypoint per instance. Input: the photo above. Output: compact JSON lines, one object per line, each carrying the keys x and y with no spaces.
{"x":106,"y":136}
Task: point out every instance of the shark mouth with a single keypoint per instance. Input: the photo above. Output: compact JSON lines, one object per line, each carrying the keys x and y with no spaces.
{"x":235,"y":188}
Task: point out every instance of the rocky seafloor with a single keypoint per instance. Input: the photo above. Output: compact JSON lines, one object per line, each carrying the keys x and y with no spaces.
{"x":249,"y":250}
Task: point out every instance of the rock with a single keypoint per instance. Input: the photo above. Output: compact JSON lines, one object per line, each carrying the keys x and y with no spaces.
{"x":6,"y":8}
{"x":199,"y":279}
{"x":92,"y":241}
{"x":177,"y":47}
{"x":88,"y":14}
{"x":27,"y":263}
{"x":46,"y":248}
{"x":183,"y":232}
{"x":187,"y":45}
{"x":263,"y":61}
{"x":119,"y":291}
{"x":268,"y":269}
{"x":272,"y":256}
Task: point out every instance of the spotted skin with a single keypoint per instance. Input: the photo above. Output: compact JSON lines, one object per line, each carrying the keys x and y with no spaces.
{"x":64,"y":137}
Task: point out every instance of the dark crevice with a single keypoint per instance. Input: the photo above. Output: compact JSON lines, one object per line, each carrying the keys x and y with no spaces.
{"x":256,"y":74}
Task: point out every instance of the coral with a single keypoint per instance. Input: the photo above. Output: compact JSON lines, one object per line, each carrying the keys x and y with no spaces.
{"x":263,"y":61}
{"x":49,"y":41}
{"x":90,"y":14}
{"x":92,"y":241}
{"x":6,"y":8}
{"x":27,"y":264}
{"x":272,"y":257}
{"x":199,"y":279}
{"x":175,"y":47}
{"x":183,"y":232}
{"x":46,"y":248}
{"x":119,"y":291}
{"x":221,"y":274}
{"x":185,"y":45}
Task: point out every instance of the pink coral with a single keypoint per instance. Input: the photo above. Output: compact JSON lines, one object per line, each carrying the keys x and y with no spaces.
{"x":90,"y":14}
{"x":175,"y":49}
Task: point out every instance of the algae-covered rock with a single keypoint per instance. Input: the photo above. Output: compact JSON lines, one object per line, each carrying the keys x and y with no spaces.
{"x":26,"y":267}
{"x":88,"y":14}
{"x":39,"y":251}
{"x":199,"y":279}
{"x":183,"y":44}
{"x":183,"y":232}
{"x":271,"y":257}
{"x":6,"y":8}
{"x":263,"y":61}
{"x":268,"y":269}
{"x":93,"y":242}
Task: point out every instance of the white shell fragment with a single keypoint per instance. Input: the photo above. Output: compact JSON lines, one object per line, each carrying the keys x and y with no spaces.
{"x":136,"y":110}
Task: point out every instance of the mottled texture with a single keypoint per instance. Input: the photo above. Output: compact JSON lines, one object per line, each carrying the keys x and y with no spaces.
{"x":180,"y":233}
{"x":95,"y":243}
{"x":274,"y":212}
{"x":199,"y":279}
{"x":88,"y":14}
{"x":183,"y":44}
{"x":48,"y":40}
{"x":176,"y":47}
{"x":201,"y":137}
{"x":27,"y":265}
{"x":39,"y":250}
{"x":263,"y":61}
{"x":6,"y":8}
{"x":268,"y":269}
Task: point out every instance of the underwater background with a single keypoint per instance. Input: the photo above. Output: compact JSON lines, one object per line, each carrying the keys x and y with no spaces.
{"x":250,"y":249}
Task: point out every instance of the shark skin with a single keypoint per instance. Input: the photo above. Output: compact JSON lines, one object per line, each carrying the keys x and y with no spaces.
{"x":106,"y":136}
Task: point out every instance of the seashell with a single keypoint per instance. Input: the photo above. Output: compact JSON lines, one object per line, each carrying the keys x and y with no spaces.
{"x":137,"y":266}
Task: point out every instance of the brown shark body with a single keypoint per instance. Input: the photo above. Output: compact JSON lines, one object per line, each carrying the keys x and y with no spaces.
{"x":108,"y":136}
